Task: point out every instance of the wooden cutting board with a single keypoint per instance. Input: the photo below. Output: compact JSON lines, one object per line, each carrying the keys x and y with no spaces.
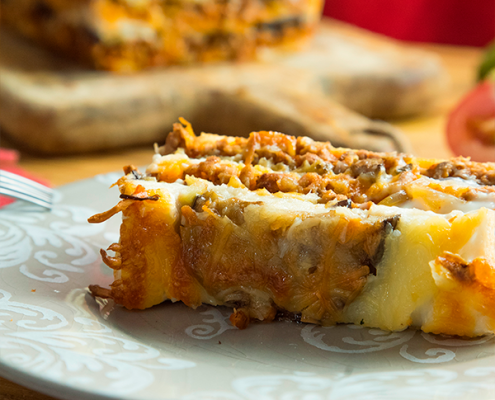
{"x":49,"y":105}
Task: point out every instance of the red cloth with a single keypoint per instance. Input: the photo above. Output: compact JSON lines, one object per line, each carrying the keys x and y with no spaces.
{"x":8,"y":160}
{"x":460,"y":22}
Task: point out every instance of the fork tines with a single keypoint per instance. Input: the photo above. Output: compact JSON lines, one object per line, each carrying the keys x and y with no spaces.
{"x":18,"y":187}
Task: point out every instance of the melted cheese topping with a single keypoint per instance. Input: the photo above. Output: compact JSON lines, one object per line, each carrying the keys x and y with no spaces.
{"x":441,"y":196}
{"x":256,"y":228}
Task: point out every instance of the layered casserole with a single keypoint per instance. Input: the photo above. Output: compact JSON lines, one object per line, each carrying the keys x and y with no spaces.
{"x":275,"y":226}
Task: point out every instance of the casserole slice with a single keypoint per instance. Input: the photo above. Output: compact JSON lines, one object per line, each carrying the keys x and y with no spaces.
{"x":202,"y":235}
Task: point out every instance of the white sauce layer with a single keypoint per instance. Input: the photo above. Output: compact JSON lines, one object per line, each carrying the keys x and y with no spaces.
{"x":281,"y":201}
{"x":448,"y":202}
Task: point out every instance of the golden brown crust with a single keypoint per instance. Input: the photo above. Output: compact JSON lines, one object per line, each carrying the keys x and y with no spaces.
{"x":101,"y":217}
{"x":239,"y":319}
{"x":463,"y":168}
{"x":360,"y":183}
{"x":281,"y":163}
{"x":293,"y":152}
{"x":113,"y":262}
{"x":474,"y":289}
{"x":98,"y":291}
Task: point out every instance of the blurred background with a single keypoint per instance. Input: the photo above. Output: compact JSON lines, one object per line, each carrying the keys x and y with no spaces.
{"x":409,"y":63}
{"x":454,"y":22}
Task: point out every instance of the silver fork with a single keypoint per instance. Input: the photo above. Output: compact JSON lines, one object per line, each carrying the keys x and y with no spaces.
{"x":18,"y":187}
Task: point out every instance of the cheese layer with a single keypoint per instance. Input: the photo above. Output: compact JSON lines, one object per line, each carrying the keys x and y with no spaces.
{"x":264,"y":254}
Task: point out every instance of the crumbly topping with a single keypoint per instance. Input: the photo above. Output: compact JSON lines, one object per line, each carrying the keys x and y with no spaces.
{"x":282,"y":163}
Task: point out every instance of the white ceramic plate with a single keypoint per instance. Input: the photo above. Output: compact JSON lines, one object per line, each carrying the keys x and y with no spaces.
{"x":55,"y":338}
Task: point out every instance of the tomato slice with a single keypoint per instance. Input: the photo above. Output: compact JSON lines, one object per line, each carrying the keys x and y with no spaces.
{"x":471,"y":126}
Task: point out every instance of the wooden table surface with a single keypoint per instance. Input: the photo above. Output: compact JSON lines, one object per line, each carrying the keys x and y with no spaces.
{"x":426,"y":133}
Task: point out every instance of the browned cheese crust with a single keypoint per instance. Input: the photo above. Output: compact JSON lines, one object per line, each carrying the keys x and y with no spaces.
{"x":333,"y":173}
